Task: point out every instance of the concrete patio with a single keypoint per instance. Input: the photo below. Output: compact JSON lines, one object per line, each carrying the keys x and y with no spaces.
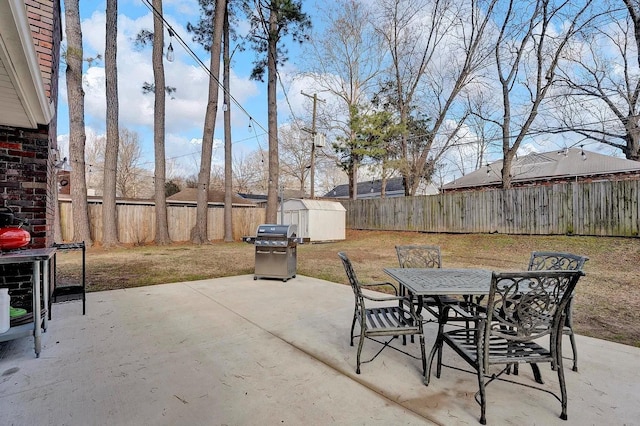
{"x":234,"y":351}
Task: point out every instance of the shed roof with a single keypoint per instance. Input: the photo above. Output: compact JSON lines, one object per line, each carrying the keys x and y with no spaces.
{"x":565,"y":163}
{"x":308,"y":204}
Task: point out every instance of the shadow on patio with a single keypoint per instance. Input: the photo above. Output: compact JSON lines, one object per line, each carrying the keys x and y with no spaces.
{"x":243,"y":352}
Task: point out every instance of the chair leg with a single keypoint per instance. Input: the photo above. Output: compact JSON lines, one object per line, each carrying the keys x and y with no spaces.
{"x":360,"y":344}
{"x":483,"y":397}
{"x":536,"y":374}
{"x":353,"y":325}
{"x":563,"y":389}
{"x":439,"y":364}
{"x":557,"y":345}
{"x":422,"y":351}
{"x":575,"y":351}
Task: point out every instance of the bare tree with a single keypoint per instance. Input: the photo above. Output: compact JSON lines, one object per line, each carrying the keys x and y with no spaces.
{"x":471,"y":149}
{"x":437,"y":49}
{"x":250,"y":172}
{"x":94,"y":162}
{"x":77,"y":137}
{"x":601,"y":99}
{"x":329,"y":176}
{"x":295,"y":155}
{"x":199,"y":231}
{"x":527,"y":53}
{"x":345,"y":60}
{"x":109,"y":221}
{"x":130,"y":177}
{"x":132,"y":181}
{"x":217,"y":180}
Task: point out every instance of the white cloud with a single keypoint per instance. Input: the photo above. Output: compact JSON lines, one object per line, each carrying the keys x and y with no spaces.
{"x":184,"y":154}
{"x":185,"y":108}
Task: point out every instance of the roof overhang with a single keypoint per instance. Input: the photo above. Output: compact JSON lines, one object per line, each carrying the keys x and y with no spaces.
{"x":23,"y":100}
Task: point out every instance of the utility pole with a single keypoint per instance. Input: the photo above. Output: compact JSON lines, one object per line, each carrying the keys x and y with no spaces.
{"x":313,"y":140}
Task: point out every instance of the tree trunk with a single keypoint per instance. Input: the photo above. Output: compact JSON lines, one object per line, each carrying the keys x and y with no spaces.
{"x":199,"y":231}
{"x":632,"y":151}
{"x":507,"y":163}
{"x":109,"y":220}
{"x":272,"y":111}
{"x":228,"y":170}
{"x":353,"y":179}
{"x":77,"y":136}
{"x":162,"y":225}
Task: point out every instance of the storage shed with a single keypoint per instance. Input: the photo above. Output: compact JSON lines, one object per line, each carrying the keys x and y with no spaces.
{"x":318,"y":220}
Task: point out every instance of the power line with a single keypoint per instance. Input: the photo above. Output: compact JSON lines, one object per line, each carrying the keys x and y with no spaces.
{"x":196,"y":58}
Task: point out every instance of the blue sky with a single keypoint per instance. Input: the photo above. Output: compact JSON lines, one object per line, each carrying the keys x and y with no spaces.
{"x":185,"y":112}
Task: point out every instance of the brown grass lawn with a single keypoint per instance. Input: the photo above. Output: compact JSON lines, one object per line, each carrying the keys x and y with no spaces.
{"x":606,"y":305}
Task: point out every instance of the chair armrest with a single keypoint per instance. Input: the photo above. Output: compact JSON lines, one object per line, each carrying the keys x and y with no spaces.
{"x":381,"y":284}
{"x":386,"y":298}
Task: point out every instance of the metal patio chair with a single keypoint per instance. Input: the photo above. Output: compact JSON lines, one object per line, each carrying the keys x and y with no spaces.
{"x":547,"y":260}
{"x":396,"y":319}
{"x":521,"y":307}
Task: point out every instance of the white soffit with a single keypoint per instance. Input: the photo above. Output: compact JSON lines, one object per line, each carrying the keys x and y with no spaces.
{"x":23,"y":101}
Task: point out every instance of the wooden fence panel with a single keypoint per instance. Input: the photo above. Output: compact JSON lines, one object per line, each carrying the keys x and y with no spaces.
{"x":609,"y":208}
{"x":137,"y":222}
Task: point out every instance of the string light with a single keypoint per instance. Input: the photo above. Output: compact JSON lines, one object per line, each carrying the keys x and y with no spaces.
{"x":170,"y":54}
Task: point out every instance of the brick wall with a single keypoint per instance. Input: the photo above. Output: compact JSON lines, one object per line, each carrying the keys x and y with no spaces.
{"x":27,"y":176}
{"x":43,"y":27}
{"x":24,"y":170}
{"x":24,"y":163}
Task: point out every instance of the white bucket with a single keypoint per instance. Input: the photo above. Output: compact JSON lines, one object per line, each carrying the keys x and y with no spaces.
{"x":5,"y":321}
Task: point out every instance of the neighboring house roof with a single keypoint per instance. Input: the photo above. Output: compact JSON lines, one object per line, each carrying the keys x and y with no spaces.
{"x":261,"y":198}
{"x":186,"y":196}
{"x":190,"y":195}
{"x":370,"y":189}
{"x":256,"y":198}
{"x":564,"y":164}
{"x":373,"y":188}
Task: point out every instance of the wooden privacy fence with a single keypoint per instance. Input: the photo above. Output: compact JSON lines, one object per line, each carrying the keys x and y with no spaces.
{"x":608,"y":208}
{"x":136,"y":221}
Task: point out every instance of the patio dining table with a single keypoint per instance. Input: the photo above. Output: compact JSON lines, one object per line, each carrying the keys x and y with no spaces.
{"x":422,"y":282}
{"x":434,"y":282}
{"x":438,"y":282}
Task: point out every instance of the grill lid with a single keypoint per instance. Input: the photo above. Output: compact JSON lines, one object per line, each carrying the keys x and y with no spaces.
{"x":276,"y":231}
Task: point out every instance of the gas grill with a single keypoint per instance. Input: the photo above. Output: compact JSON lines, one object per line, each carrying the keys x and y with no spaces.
{"x":276,"y":251}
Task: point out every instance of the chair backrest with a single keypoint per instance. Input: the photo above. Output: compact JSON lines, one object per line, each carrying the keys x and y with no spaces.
{"x":524,"y":306}
{"x":419,"y":256}
{"x":556,"y":261}
{"x":353,"y":279}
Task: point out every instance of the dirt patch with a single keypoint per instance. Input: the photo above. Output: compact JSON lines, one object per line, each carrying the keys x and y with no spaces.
{"x":606,"y":304}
